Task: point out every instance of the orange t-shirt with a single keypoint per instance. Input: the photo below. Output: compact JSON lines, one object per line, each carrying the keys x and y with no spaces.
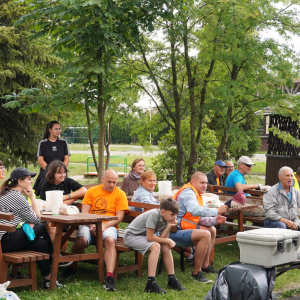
{"x":104,"y":202}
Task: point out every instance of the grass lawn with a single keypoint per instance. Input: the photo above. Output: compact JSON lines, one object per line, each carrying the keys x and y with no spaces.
{"x":85,"y":284}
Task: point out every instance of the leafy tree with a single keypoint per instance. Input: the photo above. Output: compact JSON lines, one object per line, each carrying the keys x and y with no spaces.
{"x":164,"y":165}
{"x":22,"y":65}
{"x":97,"y":33}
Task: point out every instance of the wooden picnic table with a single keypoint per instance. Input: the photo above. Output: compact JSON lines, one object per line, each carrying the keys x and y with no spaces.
{"x":73,"y":221}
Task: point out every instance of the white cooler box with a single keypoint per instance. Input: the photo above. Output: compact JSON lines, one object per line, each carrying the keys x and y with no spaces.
{"x":268,"y":247}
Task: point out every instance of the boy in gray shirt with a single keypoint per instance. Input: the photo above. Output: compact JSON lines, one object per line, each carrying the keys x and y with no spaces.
{"x":140,"y":236}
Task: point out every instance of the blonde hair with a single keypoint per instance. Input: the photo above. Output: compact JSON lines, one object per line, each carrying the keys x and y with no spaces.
{"x":146,"y":175}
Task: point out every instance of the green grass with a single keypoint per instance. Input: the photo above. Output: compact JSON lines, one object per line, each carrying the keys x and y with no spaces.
{"x":85,"y":284}
{"x":260,"y":167}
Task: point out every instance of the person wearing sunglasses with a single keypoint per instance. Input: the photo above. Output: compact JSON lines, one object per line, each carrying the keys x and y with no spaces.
{"x":236,"y":178}
{"x":215,"y":177}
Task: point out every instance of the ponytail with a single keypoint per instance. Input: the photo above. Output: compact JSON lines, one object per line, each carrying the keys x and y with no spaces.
{"x":49,"y":126}
{"x":8,"y":185}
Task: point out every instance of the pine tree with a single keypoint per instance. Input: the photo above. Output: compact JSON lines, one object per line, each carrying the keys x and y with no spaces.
{"x":23,"y":64}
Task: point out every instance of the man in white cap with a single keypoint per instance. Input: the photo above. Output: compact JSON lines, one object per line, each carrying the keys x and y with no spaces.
{"x":236,"y":178}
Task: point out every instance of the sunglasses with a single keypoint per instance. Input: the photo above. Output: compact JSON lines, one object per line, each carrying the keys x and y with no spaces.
{"x":249,"y":166}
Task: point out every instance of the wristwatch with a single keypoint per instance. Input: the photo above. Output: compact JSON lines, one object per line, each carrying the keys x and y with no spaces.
{"x":69,"y":196}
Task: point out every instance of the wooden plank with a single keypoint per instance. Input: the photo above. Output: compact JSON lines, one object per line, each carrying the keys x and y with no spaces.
{"x":7,"y":227}
{"x":7,"y":216}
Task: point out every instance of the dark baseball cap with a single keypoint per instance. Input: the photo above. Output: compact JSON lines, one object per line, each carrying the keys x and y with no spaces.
{"x":20,"y":172}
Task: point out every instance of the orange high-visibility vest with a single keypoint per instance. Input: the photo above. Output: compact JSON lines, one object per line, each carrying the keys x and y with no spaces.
{"x":189,"y":221}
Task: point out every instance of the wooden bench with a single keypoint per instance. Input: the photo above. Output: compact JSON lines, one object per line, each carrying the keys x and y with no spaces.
{"x":18,"y":257}
{"x":120,"y":245}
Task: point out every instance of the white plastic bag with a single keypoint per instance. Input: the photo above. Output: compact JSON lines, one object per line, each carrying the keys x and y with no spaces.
{"x":68,"y":210}
{"x":4,"y":294}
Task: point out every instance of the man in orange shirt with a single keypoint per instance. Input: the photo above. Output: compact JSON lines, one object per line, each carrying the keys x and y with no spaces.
{"x":104,"y":199}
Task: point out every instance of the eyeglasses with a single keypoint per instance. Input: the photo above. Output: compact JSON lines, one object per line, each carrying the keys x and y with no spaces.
{"x":249,"y":166}
{"x":2,"y":168}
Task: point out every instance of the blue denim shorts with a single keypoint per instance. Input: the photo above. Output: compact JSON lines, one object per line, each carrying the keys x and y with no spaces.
{"x":84,"y":231}
{"x":182,"y":238}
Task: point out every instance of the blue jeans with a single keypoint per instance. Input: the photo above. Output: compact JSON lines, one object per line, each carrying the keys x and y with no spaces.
{"x":274,"y":224}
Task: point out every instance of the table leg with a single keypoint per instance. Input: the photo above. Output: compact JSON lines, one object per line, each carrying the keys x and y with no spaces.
{"x":55,"y":256}
{"x":240,"y":221}
{"x":99,"y":245}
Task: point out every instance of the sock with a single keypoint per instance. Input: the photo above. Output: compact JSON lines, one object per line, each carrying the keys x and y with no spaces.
{"x":73,"y":267}
{"x":109,"y":274}
{"x":191,"y":256}
{"x":151,"y":279}
{"x":171,"y":277}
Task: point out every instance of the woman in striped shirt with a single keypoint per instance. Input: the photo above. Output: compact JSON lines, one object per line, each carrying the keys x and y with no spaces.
{"x":13,"y":201}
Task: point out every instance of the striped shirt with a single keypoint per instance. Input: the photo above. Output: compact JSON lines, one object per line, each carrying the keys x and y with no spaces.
{"x":14,"y":202}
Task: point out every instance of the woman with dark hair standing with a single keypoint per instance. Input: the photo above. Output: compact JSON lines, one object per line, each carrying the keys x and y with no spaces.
{"x":50,"y":149}
{"x":57,"y":180}
{"x":13,"y":201}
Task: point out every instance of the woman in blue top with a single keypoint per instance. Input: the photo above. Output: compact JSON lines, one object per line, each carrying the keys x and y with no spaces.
{"x":144,"y":193}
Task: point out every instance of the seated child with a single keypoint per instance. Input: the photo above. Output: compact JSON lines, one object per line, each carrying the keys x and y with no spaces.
{"x":140,"y":235}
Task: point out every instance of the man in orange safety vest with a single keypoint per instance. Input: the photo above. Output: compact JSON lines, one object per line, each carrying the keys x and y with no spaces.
{"x":195,"y":224}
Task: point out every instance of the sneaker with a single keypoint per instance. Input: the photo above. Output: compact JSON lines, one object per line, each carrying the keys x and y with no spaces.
{"x":68,"y":273}
{"x":209,"y":269}
{"x":175,"y":285}
{"x":109,"y":284}
{"x":190,"y":260}
{"x":200,"y":277}
{"x":64,"y":264}
{"x":153,"y":287}
{"x":58,"y":285}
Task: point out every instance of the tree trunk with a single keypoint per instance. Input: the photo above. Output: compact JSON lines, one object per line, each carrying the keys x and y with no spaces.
{"x":178,"y":138}
{"x":107,"y":144}
{"x":90,"y":135}
{"x":193,"y":159}
{"x":101,"y":108}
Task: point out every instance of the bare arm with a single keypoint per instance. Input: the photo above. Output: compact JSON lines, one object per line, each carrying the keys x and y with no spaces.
{"x":242,"y":187}
{"x":66,"y":160}
{"x":29,"y":193}
{"x":120,"y":214}
{"x":74,"y":195}
{"x":42,"y":162}
{"x":161,"y":240}
{"x":289,"y":224}
{"x":165,"y":232}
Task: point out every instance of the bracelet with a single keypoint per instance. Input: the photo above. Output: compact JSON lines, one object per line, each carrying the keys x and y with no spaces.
{"x":69,"y":196}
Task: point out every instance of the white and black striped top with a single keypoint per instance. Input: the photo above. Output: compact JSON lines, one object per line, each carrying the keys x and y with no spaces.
{"x":14,"y":202}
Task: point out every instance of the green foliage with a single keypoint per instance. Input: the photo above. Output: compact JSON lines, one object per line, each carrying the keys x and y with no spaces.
{"x":165,"y":164}
{"x":23,"y":65}
{"x":244,"y":138}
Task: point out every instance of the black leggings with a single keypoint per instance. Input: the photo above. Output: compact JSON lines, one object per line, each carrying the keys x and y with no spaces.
{"x":18,"y":241}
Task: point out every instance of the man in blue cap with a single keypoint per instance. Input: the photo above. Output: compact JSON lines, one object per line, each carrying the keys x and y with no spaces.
{"x":214,"y":177}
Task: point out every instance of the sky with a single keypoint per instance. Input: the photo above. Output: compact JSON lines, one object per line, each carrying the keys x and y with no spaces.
{"x":294,"y":43}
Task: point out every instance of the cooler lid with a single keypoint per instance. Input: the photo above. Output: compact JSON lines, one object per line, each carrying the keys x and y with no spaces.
{"x":268,"y":234}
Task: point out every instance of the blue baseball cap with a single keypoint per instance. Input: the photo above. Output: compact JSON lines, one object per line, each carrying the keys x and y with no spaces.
{"x":220,"y":163}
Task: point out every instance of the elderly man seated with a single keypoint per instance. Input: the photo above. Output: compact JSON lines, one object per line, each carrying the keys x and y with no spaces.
{"x":282,"y":202}
{"x":215,"y":176}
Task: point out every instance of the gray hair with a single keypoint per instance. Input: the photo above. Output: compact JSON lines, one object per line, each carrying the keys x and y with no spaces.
{"x":285,"y":168}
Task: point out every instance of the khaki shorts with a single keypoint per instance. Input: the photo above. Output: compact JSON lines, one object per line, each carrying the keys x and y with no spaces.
{"x":137,"y":242}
